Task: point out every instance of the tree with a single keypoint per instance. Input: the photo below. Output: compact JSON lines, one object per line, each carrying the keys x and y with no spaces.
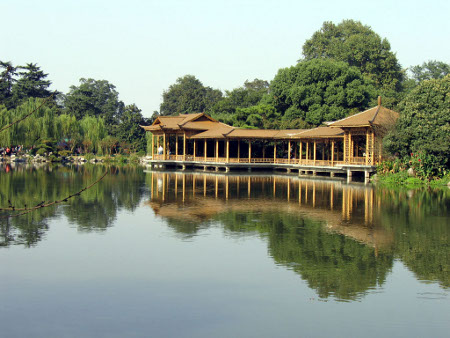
{"x":430,"y":70}
{"x":7,"y":80}
{"x":258,"y":116}
{"x":359,"y":46}
{"x":94,"y":98}
{"x":321,"y":90}
{"x":31,"y":83}
{"x":250,"y":94}
{"x":188,"y":95}
{"x":424,"y":123}
{"x":129,"y":129}
{"x":93,"y":131}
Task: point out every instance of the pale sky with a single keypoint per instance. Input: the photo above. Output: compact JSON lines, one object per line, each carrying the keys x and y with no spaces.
{"x":142,"y":47}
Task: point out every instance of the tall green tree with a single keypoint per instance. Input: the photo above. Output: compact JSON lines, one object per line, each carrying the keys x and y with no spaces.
{"x":320,"y":90}
{"x":358,"y":45}
{"x":129,"y":129}
{"x":188,"y":95}
{"x":32,"y":82}
{"x":424,"y":123}
{"x":94,"y":98}
{"x":7,"y":80}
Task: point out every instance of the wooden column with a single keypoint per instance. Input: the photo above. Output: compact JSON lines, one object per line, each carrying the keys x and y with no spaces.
{"x":264,"y":150}
{"x":195,"y":143}
{"x":249,"y":151}
{"x":153,"y":147}
{"x":315,"y":148}
{"x":239,"y":150}
{"x":164,"y":145}
{"x":350,"y":155}
{"x":176,"y":146}
{"x":184,"y":146}
{"x":275,"y":152}
{"x":217,"y":150}
{"x":332,"y":153}
{"x":301,"y":153}
{"x":307,"y":151}
{"x":228,"y":150}
{"x":157,"y":144}
{"x":205,"y":148}
{"x":367,"y":146}
{"x":289,"y":151}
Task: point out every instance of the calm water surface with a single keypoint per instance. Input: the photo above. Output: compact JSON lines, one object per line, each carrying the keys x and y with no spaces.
{"x":164,"y":254}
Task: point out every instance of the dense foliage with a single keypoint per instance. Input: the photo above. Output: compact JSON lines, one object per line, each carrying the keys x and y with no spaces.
{"x":424,"y":125}
{"x":188,"y":95}
{"x":358,"y":45}
{"x":89,"y":118}
{"x":321,"y":90}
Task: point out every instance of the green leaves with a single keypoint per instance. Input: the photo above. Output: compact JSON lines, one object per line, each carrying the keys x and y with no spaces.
{"x":320,"y":90}
{"x":94,"y":98}
{"x":424,"y":123}
{"x":188,"y":95}
{"x":359,"y":46}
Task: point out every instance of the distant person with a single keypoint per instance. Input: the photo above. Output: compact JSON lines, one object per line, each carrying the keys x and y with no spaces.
{"x":160,"y":150}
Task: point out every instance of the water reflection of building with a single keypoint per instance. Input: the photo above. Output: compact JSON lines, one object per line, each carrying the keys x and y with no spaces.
{"x":196,"y":197}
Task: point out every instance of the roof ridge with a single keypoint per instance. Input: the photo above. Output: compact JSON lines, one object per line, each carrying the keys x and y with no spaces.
{"x":347,"y":117}
{"x":375,"y":115}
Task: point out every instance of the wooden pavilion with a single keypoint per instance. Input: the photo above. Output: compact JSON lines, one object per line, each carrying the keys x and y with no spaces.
{"x":199,"y":140}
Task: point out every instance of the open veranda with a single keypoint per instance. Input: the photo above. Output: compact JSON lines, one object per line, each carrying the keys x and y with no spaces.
{"x":197,"y":140}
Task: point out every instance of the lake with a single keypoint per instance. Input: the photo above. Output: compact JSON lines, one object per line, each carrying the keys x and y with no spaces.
{"x":194,"y":254}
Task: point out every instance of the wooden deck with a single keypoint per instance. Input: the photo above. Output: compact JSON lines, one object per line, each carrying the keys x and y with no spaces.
{"x":302,"y":167}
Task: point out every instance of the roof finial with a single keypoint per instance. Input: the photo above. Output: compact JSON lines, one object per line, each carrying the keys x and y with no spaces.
{"x":379,"y":100}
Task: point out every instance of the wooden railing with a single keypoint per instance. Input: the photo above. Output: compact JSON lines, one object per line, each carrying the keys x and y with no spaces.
{"x":302,"y":162}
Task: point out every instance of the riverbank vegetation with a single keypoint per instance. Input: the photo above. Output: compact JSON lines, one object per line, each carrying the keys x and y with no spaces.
{"x":342,"y":70}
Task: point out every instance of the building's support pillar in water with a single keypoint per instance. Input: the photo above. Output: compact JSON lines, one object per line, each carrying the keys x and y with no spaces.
{"x":349,"y":175}
{"x":366,"y":176}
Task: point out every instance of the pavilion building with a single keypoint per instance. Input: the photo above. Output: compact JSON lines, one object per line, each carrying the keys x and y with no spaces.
{"x":197,"y":140}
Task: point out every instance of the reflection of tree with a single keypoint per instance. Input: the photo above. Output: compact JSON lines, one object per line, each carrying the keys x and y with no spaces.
{"x":341,"y":240}
{"x":420,"y":222}
{"x":332,"y":264}
{"x":94,"y":209}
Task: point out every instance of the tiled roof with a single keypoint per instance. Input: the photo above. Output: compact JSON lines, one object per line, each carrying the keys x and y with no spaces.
{"x":210,"y":128}
{"x":320,"y":132}
{"x":377,"y":115}
{"x":220,"y":130}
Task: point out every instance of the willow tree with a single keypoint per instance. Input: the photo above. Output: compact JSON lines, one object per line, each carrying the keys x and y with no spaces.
{"x":93,"y":130}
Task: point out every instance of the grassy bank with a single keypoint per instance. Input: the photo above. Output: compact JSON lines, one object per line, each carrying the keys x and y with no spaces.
{"x":402,"y":178}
